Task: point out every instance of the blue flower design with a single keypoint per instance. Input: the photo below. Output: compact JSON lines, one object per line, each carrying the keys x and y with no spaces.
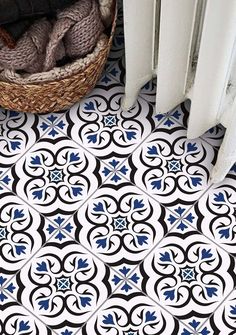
{"x":116,"y":172}
{"x":59,"y":228}
{"x":9,"y":288}
{"x":134,"y":278}
{"x":52,"y":125}
{"x":187,"y":218}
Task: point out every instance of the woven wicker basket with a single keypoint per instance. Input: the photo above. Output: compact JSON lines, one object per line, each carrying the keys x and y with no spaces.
{"x":57,"y":89}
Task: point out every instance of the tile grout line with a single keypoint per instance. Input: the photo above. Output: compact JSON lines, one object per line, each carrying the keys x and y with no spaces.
{"x":102,"y":160}
{"x":31,"y":313}
{"x":97,"y":190}
{"x":218,"y":307}
{"x":161,"y":307}
{"x":182,"y":217}
{"x":14,"y":277}
{"x":200,"y":137}
{"x":27,"y":150}
{"x":112,"y":291}
{"x":99,"y":307}
{"x":49,"y":220}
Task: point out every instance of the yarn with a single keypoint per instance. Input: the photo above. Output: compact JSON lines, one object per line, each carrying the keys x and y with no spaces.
{"x":105,"y":9}
{"x":57,"y":73}
{"x":74,"y":33}
{"x":28,"y":54}
{"x":80,"y":25}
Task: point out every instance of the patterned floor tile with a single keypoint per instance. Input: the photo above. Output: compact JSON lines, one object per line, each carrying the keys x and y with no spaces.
{"x":55,"y":176}
{"x":120,"y":224}
{"x":18,"y":132}
{"x":63,"y":284}
{"x":188,"y":275}
{"x":7,"y":288}
{"x":15,"y":319}
{"x":51,"y":124}
{"x":147,"y":92}
{"x":224,"y":319}
{"x":170,"y":167}
{"x":132,"y":314}
{"x":22,"y":232}
{"x":117,"y":49}
{"x":180,"y":113}
{"x":117,"y":70}
{"x":114,"y":169}
{"x":215,"y":214}
{"x":5,"y":180}
{"x":99,"y":124}
{"x":215,"y":135}
{"x":206,"y":329}
{"x":108,"y":222}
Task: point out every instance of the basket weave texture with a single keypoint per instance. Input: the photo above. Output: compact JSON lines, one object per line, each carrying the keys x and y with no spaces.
{"x":57,"y":89}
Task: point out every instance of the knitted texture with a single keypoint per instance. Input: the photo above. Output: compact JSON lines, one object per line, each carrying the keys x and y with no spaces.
{"x":74,"y":33}
{"x":11,"y":32}
{"x":57,"y":73}
{"x":80,"y":25}
{"x":105,"y":9}
{"x":28,"y":54}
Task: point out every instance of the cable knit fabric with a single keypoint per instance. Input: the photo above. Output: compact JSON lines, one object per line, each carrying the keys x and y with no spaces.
{"x":80,"y":25}
{"x":105,"y":9}
{"x":57,"y":73}
{"x":11,"y":32}
{"x":74,"y":33}
{"x":28,"y":54}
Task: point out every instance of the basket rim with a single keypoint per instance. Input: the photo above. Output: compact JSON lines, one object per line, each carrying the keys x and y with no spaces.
{"x":106,"y":43}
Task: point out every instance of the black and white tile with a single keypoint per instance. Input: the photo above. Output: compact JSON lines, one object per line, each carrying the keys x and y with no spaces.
{"x":109,"y":224}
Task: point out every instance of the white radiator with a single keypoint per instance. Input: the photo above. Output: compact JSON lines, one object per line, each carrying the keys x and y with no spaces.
{"x":190,"y":46}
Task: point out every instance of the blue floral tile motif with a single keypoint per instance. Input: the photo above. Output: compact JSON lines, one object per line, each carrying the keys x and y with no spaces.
{"x":180,"y":114}
{"x":5,"y":181}
{"x":181,"y":218}
{"x":15,"y":319}
{"x":206,"y":330}
{"x":52,"y":125}
{"x":115,"y":170}
{"x":56,"y":176}
{"x":170,"y":167}
{"x":110,"y":121}
{"x":117,"y":70}
{"x":136,"y":315}
{"x":6,"y":288}
{"x":108,"y":221}
{"x":223,"y":320}
{"x":17,"y":133}
{"x":59,"y":228}
{"x":214,"y":136}
{"x":187,"y":270}
{"x":125,"y":285}
{"x":100,"y":125}
{"x":21,"y":232}
{"x":66,"y":282}
{"x":215,"y":215}
{"x":120,"y":221}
